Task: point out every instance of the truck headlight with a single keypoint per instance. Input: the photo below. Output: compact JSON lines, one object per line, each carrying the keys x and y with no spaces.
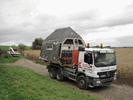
{"x":115,"y":77}
{"x":98,"y":82}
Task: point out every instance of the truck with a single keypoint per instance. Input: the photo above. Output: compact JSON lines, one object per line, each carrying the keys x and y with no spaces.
{"x":70,"y":58}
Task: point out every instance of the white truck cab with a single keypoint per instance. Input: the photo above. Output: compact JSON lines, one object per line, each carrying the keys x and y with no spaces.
{"x":98,"y":65}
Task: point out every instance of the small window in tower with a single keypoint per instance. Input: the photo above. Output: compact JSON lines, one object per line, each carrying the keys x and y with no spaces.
{"x":76,"y":42}
{"x":49,"y":47}
{"x":69,"y":41}
{"x":80,"y":42}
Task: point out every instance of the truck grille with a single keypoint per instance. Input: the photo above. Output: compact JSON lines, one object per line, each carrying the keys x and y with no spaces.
{"x":105,"y":81}
{"x":107,"y":74}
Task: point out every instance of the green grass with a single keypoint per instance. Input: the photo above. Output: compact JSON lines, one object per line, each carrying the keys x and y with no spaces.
{"x":17,"y":83}
{"x":8,"y":60}
{"x":14,"y":47}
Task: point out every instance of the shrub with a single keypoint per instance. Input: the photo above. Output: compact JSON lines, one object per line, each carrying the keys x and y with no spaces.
{"x":22,"y":46}
{"x":6,"y":55}
{"x":20,"y":50}
{"x":4,"y":52}
{"x":0,"y":52}
{"x":37,"y":43}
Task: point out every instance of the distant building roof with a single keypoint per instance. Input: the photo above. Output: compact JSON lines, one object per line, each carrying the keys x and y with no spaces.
{"x":59,"y":35}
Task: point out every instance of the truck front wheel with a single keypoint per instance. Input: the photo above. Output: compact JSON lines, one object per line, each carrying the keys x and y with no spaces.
{"x":59,"y":76}
{"x":52,"y":73}
{"x":81,"y":82}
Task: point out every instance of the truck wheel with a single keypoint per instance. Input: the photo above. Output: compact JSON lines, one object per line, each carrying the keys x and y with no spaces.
{"x":59,"y":76}
{"x":52,"y":73}
{"x":81,"y":82}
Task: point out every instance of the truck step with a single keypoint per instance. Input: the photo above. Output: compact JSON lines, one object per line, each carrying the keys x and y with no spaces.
{"x":72,"y":79}
{"x":91,"y":86}
{"x":72,"y":74}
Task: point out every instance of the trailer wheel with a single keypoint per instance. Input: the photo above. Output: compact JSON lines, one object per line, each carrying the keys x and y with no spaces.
{"x":81,"y":82}
{"x":52,"y":73}
{"x":59,"y":76}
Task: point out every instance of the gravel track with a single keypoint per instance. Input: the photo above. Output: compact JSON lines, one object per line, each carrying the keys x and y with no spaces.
{"x":111,"y":92}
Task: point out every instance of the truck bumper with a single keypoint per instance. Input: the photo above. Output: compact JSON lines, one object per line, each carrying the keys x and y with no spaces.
{"x":101,"y":82}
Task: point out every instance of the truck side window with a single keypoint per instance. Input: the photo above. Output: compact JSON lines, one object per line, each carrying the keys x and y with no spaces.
{"x":88,"y":58}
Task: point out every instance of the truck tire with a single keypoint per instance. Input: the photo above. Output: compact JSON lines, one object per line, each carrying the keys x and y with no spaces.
{"x":82,"y":83}
{"x":59,"y":76}
{"x":52,"y":73}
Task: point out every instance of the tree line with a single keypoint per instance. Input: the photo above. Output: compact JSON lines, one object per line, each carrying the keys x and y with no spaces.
{"x":36,"y":44}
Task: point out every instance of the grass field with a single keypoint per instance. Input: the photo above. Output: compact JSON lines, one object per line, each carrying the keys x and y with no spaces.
{"x":17,"y":83}
{"x":34,"y":53}
{"x":14,"y":47}
{"x":124,"y":59}
{"x":8,"y":60}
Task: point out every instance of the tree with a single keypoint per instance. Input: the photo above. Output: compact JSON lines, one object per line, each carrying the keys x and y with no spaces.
{"x":22,"y":46}
{"x":37,"y":43}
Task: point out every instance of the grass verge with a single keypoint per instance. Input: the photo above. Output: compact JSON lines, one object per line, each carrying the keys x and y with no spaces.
{"x":17,"y":83}
{"x":12,"y":59}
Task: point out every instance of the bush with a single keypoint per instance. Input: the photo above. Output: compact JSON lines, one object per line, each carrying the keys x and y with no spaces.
{"x":0,"y":52}
{"x":37,"y":43}
{"x":3,"y":51}
{"x":20,"y":50}
{"x":6,"y":55}
{"x":22,"y":46}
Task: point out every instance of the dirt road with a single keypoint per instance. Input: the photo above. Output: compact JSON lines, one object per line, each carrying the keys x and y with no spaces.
{"x":111,"y":92}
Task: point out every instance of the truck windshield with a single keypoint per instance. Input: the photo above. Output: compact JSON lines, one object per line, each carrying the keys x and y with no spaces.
{"x":104,"y":59}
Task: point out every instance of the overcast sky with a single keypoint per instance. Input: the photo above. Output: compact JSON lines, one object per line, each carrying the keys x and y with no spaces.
{"x":98,"y":21}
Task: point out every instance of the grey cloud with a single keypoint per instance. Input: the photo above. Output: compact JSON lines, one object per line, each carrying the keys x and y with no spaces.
{"x":113,"y":42}
{"x":105,"y":41}
{"x":44,"y":17}
{"x":91,"y":20}
{"x":129,"y":7}
{"x":21,"y":37}
{"x":84,"y":16}
{"x":121,"y":41}
{"x":125,"y":19}
{"x":8,"y":31}
{"x":25,"y":24}
{"x":125,"y":41}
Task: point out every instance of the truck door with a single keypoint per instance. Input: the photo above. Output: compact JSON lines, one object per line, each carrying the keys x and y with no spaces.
{"x":88,"y":63}
{"x":85,"y":62}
